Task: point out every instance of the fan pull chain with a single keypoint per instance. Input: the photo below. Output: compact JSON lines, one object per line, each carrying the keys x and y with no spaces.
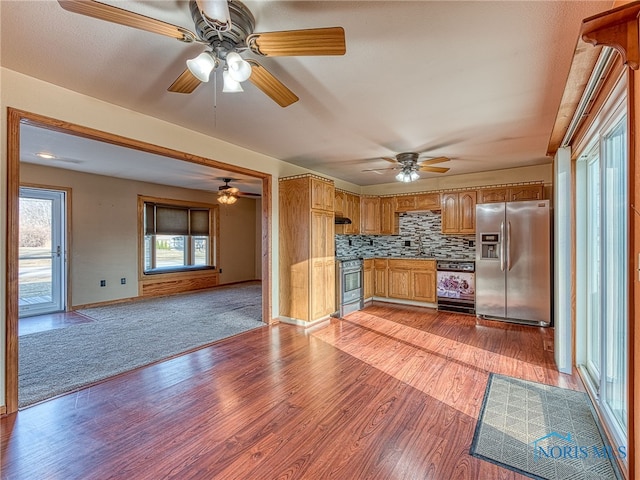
{"x":215,"y":98}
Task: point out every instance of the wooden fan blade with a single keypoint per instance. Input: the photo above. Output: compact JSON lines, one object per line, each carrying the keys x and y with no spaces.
{"x":380,"y":169}
{"x":249,"y":194}
{"x":433,"y":161}
{"x":113,"y":14}
{"x":185,"y":83}
{"x":433,"y":169}
{"x":314,"y":41}
{"x":389,"y":159}
{"x":270,"y":85}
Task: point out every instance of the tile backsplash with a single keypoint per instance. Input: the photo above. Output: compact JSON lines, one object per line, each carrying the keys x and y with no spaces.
{"x":415,"y":228}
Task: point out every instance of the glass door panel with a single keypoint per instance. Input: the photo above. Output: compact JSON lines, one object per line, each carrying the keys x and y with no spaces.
{"x":614,"y":277}
{"x":41,"y":252}
{"x":593,"y":322}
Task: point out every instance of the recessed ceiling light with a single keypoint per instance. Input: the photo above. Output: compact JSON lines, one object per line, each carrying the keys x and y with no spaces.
{"x":47,"y":156}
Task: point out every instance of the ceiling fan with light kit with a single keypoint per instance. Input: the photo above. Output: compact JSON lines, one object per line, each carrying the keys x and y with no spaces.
{"x":407,"y":163}
{"x":228,"y":195}
{"x":226,"y":29}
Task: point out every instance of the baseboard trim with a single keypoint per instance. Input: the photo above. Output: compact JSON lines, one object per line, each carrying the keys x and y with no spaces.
{"x":303,"y":323}
{"x":403,"y":302}
{"x":142,"y":297}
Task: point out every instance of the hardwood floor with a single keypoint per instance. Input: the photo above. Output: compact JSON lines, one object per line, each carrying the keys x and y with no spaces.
{"x":388,"y":392}
{"x":50,"y":321}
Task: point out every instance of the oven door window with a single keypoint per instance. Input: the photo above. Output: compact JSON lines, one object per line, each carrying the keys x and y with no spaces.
{"x":352,"y":281}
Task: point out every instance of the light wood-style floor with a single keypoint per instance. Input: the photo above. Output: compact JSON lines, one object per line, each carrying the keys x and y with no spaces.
{"x":389,"y":392}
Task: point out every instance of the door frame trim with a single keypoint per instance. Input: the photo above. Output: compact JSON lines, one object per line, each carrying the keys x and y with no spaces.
{"x":15,"y":118}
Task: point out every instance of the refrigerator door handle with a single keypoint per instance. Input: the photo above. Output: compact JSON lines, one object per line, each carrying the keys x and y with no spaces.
{"x":502,"y":246}
{"x":508,"y":246}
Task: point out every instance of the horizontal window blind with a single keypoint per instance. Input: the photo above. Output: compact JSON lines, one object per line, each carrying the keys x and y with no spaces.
{"x":174,"y":220}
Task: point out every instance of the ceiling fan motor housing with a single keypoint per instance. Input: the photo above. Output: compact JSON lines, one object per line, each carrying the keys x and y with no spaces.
{"x":407,"y":158}
{"x":242,"y":25}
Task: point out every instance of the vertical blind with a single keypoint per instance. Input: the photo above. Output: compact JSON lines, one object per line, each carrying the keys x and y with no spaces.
{"x":172,"y":220}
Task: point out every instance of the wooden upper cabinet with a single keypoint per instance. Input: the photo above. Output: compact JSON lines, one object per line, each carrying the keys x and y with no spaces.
{"x":370,"y":215}
{"x":450,"y":213}
{"x":467,"y":215}
{"x":352,"y":211}
{"x":388,"y":216}
{"x":459,"y":212}
{"x":525,"y":192}
{"x":405,"y":203}
{"x":492,"y":195}
{"x":422,"y":201}
{"x":511,"y":194}
{"x":322,"y":194}
{"x":427,"y":201}
{"x":338,"y":204}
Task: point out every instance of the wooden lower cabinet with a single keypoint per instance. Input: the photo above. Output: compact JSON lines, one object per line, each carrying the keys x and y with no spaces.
{"x":368,"y":278}
{"x":424,"y":285}
{"x":380,"y":278}
{"x":409,"y":279}
{"x":322,"y":264}
{"x":399,"y":278}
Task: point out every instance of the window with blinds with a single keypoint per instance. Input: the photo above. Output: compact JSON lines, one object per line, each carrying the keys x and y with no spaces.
{"x":177,"y":237}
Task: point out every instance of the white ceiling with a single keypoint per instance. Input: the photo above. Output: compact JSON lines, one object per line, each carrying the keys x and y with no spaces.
{"x":477,"y":81}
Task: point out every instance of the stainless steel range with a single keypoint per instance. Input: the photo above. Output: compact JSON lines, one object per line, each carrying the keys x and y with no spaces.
{"x":349,"y":285}
{"x":456,"y":286}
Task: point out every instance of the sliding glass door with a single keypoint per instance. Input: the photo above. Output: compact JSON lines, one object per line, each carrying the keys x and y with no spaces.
{"x":593,"y":319}
{"x":614,"y":272}
{"x":602,"y":256}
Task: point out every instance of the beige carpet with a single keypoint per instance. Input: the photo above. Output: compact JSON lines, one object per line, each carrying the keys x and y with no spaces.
{"x":127,"y":336}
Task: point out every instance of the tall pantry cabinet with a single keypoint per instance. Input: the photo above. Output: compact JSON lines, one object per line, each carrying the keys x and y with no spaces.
{"x":307,"y":250}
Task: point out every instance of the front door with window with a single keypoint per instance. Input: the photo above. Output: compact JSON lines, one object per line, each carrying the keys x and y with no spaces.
{"x":41,"y":251}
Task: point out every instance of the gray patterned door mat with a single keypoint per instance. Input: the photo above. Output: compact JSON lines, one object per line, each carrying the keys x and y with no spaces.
{"x":542,"y":431}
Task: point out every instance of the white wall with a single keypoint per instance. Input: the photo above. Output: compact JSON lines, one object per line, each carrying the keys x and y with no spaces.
{"x":104,"y":231}
{"x":238,"y":241}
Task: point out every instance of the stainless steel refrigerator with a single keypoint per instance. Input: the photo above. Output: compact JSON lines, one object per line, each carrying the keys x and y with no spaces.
{"x":513,"y":261}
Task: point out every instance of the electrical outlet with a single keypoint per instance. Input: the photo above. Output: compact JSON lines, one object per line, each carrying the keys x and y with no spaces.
{"x":103,"y":283}
{"x":371,"y":242}
{"x":220,"y":270}
{"x":123,"y":281}
{"x":407,"y":243}
{"x":350,"y":243}
{"x":472,"y":243}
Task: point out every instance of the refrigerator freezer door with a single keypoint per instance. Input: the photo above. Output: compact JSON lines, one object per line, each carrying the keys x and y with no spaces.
{"x":490,"y":278}
{"x":528,"y":261}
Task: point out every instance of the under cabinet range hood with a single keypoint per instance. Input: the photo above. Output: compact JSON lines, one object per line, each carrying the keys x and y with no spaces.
{"x":342,"y":221}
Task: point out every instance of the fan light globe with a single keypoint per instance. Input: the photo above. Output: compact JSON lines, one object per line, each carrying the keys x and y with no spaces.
{"x":239,"y":69}
{"x":202,"y":66}
{"x":230,"y":85}
{"x":407,"y":176}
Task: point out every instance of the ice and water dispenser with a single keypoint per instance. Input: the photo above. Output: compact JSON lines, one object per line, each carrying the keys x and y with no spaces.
{"x":489,"y":246}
